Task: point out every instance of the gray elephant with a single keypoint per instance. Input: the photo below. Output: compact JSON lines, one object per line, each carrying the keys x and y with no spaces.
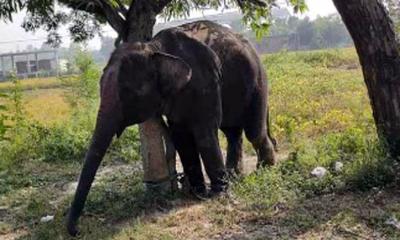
{"x":202,"y":77}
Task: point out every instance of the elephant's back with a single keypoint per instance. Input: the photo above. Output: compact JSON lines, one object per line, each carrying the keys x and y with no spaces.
{"x":242,"y":71}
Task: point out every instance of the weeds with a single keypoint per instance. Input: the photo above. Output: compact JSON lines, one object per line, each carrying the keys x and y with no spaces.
{"x":3,"y":117}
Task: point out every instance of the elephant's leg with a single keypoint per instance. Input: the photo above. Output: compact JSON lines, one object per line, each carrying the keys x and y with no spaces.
{"x":256,"y":131}
{"x":186,"y":147}
{"x":234,"y":163}
{"x":262,"y":144}
{"x":208,"y":145}
{"x":265,"y":151}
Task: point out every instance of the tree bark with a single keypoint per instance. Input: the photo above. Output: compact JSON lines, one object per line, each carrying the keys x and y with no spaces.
{"x":379,"y":52}
{"x":158,"y":152}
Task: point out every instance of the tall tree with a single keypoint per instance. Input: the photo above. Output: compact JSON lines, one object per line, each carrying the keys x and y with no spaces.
{"x":374,"y":36}
{"x":133,"y":20}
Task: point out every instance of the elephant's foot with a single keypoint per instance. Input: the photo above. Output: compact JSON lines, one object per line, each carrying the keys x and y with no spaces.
{"x":234,"y":173}
{"x":217,"y":191}
{"x":72,"y":229}
{"x":199,"y":193}
{"x":71,"y":225}
{"x":265,"y":153}
{"x":235,"y":166}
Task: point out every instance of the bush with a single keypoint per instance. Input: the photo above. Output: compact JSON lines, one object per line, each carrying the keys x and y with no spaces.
{"x":83,"y":90}
{"x":3,"y":117}
{"x":366,"y":164}
{"x":63,"y":144}
{"x":373,"y":168}
{"x":12,"y":135}
{"x":127,"y":147}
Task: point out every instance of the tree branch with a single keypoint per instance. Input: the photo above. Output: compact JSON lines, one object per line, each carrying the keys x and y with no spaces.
{"x":160,"y":5}
{"x":100,"y":8}
{"x":259,"y":3}
{"x":112,"y":16}
{"x":122,"y":8}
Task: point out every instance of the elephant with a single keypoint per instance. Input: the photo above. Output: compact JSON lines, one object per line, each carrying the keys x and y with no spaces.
{"x":202,"y":77}
{"x":244,"y":92}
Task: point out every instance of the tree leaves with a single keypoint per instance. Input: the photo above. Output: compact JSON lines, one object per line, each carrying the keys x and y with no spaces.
{"x":87,"y":16}
{"x":84,"y":26}
{"x":256,"y":13}
{"x":8,"y":7}
{"x":299,"y":5}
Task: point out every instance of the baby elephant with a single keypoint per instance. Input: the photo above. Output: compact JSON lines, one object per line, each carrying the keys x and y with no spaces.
{"x":202,"y":77}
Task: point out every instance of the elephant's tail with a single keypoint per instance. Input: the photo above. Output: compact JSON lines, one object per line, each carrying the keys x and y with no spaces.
{"x":273,"y":140}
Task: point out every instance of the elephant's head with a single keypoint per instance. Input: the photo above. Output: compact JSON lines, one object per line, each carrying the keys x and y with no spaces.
{"x":145,"y":79}
{"x":134,"y":85}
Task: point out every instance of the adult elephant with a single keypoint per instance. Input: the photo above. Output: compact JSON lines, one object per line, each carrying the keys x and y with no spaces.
{"x":202,"y":77}
{"x":244,"y":92}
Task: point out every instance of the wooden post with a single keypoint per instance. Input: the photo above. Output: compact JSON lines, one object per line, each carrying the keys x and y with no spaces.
{"x":158,"y":163}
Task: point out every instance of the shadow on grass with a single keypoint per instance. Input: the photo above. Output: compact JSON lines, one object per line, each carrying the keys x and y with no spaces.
{"x":333,"y":216}
{"x":114,"y":202}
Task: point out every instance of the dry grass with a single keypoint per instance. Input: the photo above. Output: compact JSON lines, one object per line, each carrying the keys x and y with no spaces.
{"x":46,"y":106}
{"x":33,"y":83}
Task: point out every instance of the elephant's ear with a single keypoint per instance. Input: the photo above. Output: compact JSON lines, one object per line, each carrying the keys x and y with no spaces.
{"x":173,"y":73}
{"x":110,"y":104}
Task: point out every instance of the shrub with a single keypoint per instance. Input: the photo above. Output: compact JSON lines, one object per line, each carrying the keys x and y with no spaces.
{"x":127,"y":147}
{"x":3,"y":117}
{"x":11,"y":136}
{"x":83,"y":90}
{"x":366,"y":164}
{"x":372,"y":168}
{"x":60,"y":143}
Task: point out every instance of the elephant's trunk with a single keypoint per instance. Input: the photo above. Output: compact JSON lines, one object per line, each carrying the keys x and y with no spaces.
{"x":109,"y":123}
{"x":106,"y":128}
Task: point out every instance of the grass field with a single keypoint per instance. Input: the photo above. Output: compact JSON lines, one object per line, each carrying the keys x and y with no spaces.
{"x":33,"y":83}
{"x":320,"y":115}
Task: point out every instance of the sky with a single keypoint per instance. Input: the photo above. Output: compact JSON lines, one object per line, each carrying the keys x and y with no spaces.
{"x":13,"y":37}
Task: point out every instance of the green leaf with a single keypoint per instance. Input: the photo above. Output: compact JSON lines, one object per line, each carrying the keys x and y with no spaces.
{"x":299,"y":6}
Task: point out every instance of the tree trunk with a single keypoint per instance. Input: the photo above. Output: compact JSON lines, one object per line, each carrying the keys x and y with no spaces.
{"x":158,"y":152}
{"x":374,"y":37}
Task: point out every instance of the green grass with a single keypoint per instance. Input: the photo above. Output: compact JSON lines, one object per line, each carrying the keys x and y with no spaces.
{"x":320,"y":114}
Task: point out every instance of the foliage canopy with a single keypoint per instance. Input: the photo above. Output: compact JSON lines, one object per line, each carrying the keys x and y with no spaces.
{"x":85,"y":17}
